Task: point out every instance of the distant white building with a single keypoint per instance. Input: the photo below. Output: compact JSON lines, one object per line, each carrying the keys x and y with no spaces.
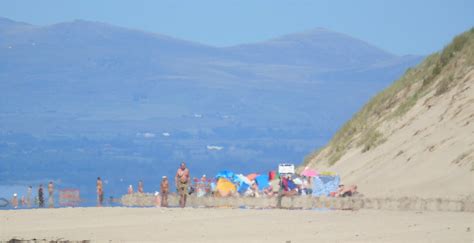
{"x":146,"y":135}
{"x":214,"y":147}
{"x":149,"y":135}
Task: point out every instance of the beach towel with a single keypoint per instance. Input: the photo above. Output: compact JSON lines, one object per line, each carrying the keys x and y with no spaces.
{"x":323,"y":185}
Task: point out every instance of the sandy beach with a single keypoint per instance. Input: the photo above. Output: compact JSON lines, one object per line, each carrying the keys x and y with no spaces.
{"x":235,"y":225}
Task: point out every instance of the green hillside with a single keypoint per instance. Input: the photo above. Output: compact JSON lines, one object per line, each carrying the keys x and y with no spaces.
{"x":436,"y":72}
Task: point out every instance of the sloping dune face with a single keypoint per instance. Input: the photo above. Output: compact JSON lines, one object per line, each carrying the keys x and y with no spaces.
{"x":416,"y":138}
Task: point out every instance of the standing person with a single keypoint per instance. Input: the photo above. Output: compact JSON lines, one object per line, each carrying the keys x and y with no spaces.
{"x":100,"y":192}
{"x":130,"y":189}
{"x":15,"y":200}
{"x":164,"y":188}
{"x":157,"y":199}
{"x":140,"y":186}
{"x":40,"y":196}
{"x":28,"y":196}
{"x":182,"y":180}
{"x":309,"y":185}
{"x":50,"y":195}
{"x":201,"y":187}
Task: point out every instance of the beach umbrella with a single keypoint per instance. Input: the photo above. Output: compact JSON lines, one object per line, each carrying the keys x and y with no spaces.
{"x":309,"y":172}
{"x":252,"y":176}
{"x":243,"y":179}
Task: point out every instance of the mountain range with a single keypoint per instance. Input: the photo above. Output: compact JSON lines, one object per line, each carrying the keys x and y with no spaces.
{"x":90,"y":95}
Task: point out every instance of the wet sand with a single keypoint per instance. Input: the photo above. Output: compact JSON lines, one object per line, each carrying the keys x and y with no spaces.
{"x":235,"y":225}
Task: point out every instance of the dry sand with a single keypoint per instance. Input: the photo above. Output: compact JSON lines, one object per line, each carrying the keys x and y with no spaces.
{"x":428,"y":153}
{"x":235,"y":225}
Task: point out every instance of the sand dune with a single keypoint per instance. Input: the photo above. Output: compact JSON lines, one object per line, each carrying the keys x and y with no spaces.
{"x":415,"y":139}
{"x":429,"y":152}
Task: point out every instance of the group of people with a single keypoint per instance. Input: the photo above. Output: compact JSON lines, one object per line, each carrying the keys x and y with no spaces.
{"x":29,"y":201}
{"x":284,"y":186}
{"x":289,"y":186}
{"x":182,"y":183}
{"x":139,"y":189}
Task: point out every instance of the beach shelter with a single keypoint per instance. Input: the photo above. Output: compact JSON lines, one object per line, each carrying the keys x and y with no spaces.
{"x":225,"y":174}
{"x":262,"y":182}
{"x":242,"y":182}
{"x":225,"y":187}
{"x":323,"y":185}
{"x":242,"y":179}
{"x":252,"y":176}
{"x":243,"y":188}
{"x":309,"y":172}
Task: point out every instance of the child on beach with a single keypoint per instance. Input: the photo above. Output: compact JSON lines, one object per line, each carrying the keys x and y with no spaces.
{"x":164,"y":188}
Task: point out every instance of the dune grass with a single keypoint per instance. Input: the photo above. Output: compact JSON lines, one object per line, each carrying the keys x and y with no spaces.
{"x":399,"y":98}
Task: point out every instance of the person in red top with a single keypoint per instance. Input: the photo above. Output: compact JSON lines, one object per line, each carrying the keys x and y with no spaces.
{"x":140,"y":186}
{"x":289,"y":187}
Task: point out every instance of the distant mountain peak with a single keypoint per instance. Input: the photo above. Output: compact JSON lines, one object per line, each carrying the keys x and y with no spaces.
{"x":101,"y":29}
{"x":6,"y":20}
{"x":327,"y":48}
{"x":8,"y":23}
{"x":80,"y":23}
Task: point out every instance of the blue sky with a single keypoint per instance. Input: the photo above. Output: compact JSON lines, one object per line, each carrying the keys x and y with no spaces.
{"x":401,"y":27}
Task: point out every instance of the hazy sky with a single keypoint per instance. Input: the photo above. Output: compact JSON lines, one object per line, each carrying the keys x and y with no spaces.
{"x":401,"y":26}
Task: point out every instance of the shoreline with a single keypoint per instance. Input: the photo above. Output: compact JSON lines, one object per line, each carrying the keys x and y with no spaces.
{"x":146,"y":200}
